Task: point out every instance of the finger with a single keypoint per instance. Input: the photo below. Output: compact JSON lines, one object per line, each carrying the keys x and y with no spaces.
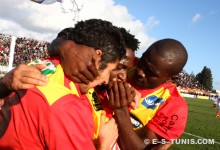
{"x":33,"y":68}
{"x":116,"y":94}
{"x":111,"y":95}
{"x":129,"y":94}
{"x":88,"y":73}
{"x":34,"y":75}
{"x":40,"y":66}
{"x":75,"y":79}
{"x":133,"y":93}
{"x":110,"y":84}
{"x":137,"y":97}
{"x":75,"y":72}
{"x":133,"y":105}
{"x":24,"y":86}
{"x":93,"y":71}
{"x":102,"y":119}
{"x":111,"y":99}
{"x":136,"y":103}
{"x":24,"y":74}
{"x":79,"y":78}
{"x":32,"y":81}
{"x":122,"y":93}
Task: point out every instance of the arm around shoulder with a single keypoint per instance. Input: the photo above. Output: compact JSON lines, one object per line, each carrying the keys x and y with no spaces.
{"x":4,"y":91}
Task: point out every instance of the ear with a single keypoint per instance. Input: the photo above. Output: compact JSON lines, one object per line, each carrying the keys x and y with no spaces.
{"x":99,"y":53}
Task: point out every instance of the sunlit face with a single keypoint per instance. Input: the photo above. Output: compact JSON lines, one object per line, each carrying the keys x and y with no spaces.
{"x":120,"y":72}
{"x":102,"y":78}
{"x":152,"y":70}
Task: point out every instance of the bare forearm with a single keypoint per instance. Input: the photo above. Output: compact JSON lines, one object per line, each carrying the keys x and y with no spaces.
{"x":128,"y":138}
{"x":4,"y":91}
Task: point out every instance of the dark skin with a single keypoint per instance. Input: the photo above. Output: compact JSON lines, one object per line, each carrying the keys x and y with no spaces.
{"x":120,"y":97}
{"x":83,"y":68}
{"x":126,"y":92}
{"x":152,"y":71}
{"x":120,"y":73}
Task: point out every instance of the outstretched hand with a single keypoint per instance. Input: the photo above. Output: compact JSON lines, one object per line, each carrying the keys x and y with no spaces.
{"x":25,"y":77}
{"x":79,"y":62}
{"x":121,"y":94}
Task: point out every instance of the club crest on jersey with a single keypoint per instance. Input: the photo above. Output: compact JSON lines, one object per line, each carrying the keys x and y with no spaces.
{"x":152,"y":101}
{"x":135,"y":122}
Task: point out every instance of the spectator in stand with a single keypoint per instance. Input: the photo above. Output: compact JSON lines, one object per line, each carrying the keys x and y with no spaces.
{"x":60,"y":134}
{"x":84,"y":70}
{"x":5,"y":41}
{"x":168,"y":79}
{"x":119,"y":73}
{"x":188,"y":84}
{"x":187,"y":81}
{"x":26,"y":49}
{"x":29,"y":49}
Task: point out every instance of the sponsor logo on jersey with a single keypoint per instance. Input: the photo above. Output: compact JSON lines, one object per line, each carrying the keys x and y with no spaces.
{"x":152,"y":101}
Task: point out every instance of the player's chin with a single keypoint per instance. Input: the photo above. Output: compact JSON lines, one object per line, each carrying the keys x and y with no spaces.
{"x":140,"y":83}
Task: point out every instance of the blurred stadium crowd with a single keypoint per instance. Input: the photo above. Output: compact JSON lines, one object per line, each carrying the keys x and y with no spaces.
{"x":27,"y":49}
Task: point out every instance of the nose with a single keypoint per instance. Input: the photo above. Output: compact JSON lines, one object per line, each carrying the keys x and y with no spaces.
{"x":140,"y":72}
{"x":106,"y":81}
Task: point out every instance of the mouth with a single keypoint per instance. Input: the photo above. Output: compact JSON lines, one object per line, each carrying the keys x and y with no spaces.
{"x":138,"y":81}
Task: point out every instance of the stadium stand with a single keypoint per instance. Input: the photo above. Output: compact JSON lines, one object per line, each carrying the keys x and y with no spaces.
{"x":27,"y":49}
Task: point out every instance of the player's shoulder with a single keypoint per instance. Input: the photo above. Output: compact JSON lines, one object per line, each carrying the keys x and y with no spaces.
{"x":176,"y":100}
{"x":50,"y":65}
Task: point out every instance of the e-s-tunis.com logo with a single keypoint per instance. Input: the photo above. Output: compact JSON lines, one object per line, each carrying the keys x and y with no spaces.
{"x":182,"y":141}
{"x":193,"y":141}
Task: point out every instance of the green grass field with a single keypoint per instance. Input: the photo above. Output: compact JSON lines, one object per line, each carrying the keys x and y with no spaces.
{"x":201,"y":123}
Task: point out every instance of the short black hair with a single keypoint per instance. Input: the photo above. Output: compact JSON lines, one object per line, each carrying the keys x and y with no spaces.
{"x":130,"y":40}
{"x":99,"y":34}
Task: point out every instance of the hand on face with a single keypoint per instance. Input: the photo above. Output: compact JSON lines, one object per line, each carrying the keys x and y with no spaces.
{"x":80,"y":63}
{"x":25,"y":77}
{"x":121,"y":94}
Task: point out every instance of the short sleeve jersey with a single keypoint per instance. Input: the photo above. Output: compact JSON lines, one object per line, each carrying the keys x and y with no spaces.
{"x":162,"y":109}
{"x":55,"y":116}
